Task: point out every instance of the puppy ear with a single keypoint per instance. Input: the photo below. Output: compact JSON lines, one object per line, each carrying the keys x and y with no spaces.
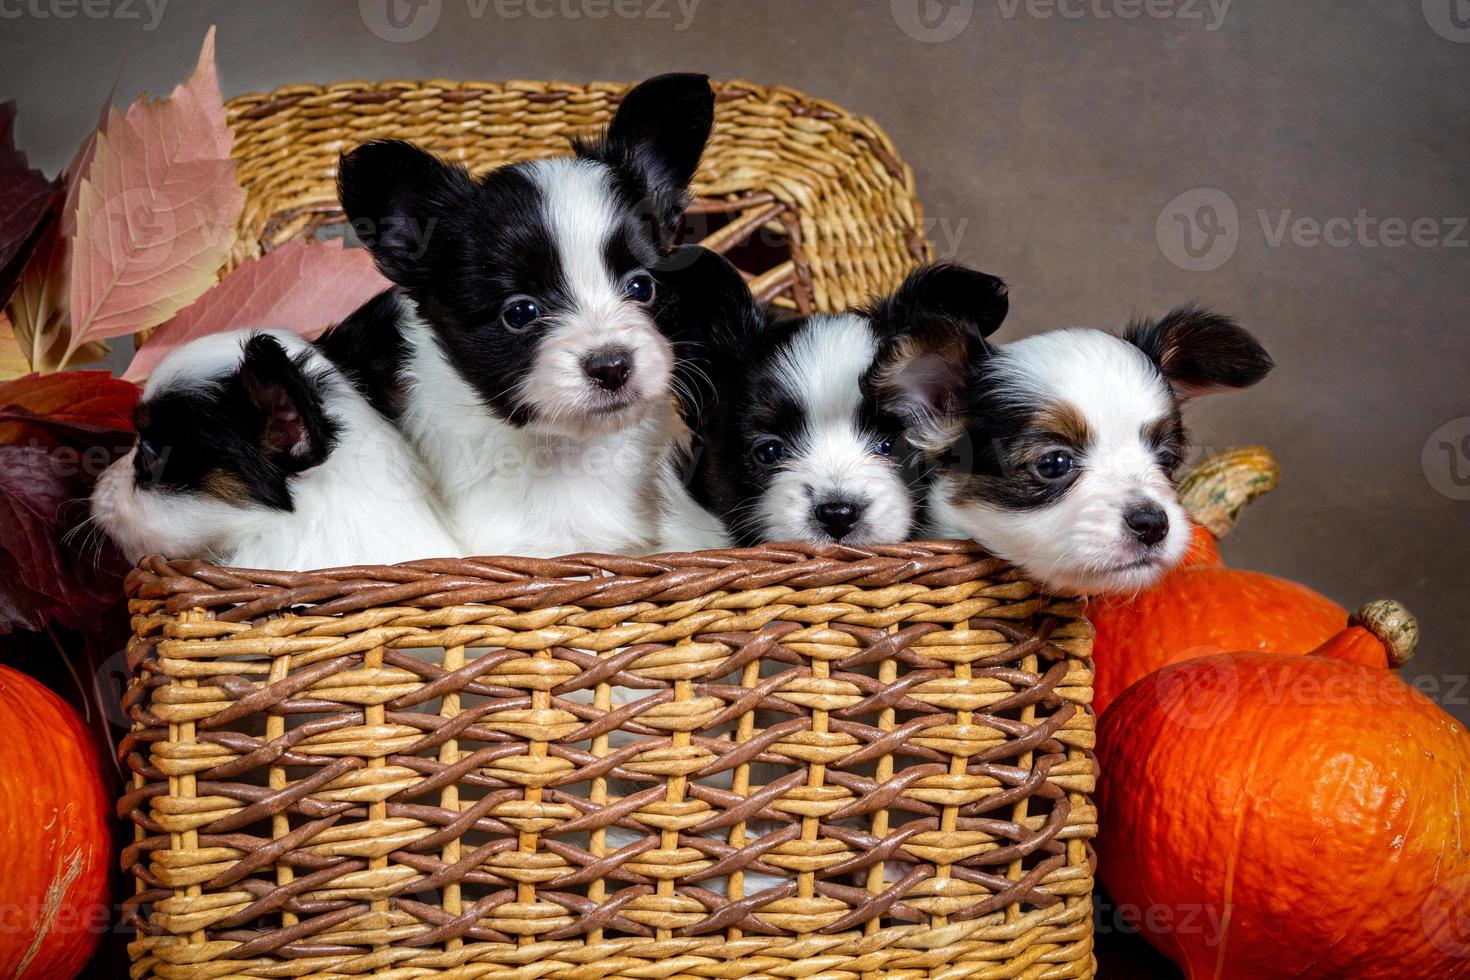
{"x":394,"y":194}
{"x":923,"y":380}
{"x":1199,"y":352}
{"x":294,"y":431}
{"x":704,"y":300}
{"x":708,"y":312}
{"x":933,"y":331}
{"x":656,"y":138}
{"x":934,"y":293}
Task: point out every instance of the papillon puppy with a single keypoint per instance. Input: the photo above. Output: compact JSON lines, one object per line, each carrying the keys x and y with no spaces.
{"x":254,"y":450}
{"x":807,"y":435}
{"x":1063,"y":462}
{"x":520,"y":349}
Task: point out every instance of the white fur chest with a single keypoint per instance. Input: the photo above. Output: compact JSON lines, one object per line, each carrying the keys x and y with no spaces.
{"x":508,"y":491}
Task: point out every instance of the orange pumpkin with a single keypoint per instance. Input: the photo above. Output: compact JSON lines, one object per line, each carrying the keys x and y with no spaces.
{"x":1263,"y":816}
{"x":1202,"y":607}
{"x":55,"y":844}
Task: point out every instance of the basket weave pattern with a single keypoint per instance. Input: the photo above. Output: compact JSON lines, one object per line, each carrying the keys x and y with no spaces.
{"x":823,"y":189}
{"x":408,"y":771}
{"x":784,"y":761}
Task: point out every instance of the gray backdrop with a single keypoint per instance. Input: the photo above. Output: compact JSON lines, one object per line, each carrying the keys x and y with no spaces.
{"x":1315,"y":153}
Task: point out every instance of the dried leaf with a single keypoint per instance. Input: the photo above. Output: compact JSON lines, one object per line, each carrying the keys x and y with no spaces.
{"x":13,"y":362}
{"x":301,"y":286}
{"x":156,"y":211}
{"x":38,"y":306}
{"x":28,"y":202}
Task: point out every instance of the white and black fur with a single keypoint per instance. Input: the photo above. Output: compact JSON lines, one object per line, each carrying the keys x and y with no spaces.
{"x":521,"y":350}
{"x":1065,"y":467}
{"x":254,"y":450}
{"x":808,"y":436}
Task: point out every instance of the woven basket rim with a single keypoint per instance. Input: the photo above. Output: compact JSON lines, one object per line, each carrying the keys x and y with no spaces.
{"x":288,"y":93}
{"x":261,"y":104}
{"x":591,"y":580}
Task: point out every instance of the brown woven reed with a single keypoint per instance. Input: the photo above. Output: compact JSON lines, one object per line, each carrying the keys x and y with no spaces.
{"x":811,"y":201}
{"x":408,"y":772}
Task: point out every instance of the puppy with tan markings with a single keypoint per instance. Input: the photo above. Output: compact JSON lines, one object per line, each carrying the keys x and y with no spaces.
{"x":1070,"y":441}
{"x":254,"y":450}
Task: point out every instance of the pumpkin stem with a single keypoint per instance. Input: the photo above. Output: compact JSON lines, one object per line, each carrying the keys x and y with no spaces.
{"x":1393,"y":625}
{"x":1382,"y":634}
{"x":1215,"y":489}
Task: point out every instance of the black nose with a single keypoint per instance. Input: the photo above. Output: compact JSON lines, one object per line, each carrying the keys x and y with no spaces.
{"x":838,"y":517}
{"x":1149,"y":522}
{"x":609,"y":368}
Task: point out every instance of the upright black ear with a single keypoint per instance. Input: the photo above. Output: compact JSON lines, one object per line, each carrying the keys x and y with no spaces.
{"x":969,"y":299}
{"x":1199,"y":352}
{"x":703,"y":299}
{"x":933,"y":331}
{"x":657,"y":137}
{"x":395,"y":194}
{"x":294,"y":431}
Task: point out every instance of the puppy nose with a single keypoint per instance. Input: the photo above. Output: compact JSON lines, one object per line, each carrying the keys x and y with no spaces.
{"x":609,"y":368}
{"x":1148,"y":522}
{"x":838,"y":517}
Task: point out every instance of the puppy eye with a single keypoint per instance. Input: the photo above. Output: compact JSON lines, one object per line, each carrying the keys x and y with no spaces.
{"x":884,"y":448}
{"x":519,"y":312}
{"x":769,"y":452}
{"x":1053,"y":465}
{"x":639,"y":287}
{"x":147,"y":462}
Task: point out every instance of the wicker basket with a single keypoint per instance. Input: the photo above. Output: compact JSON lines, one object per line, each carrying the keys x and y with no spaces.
{"x":388,"y":771}
{"x":811,"y":201}
{"x":415,"y":772}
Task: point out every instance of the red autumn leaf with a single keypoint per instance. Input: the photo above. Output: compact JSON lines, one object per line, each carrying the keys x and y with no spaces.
{"x":70,"y":582}
{"x":28,"y":201}
{"x":90,"y":398}
{"x":59,"y":432}
{"x":38,"y":306}
{"x":301,"y":286}
{"x":156,"y":212}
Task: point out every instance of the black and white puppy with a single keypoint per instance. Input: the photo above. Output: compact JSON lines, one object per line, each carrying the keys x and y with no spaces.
{"x":254,"y":450}
{"x":808,"y":435}
{"x":520,"y":349}
{"x":1071,"y":438}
